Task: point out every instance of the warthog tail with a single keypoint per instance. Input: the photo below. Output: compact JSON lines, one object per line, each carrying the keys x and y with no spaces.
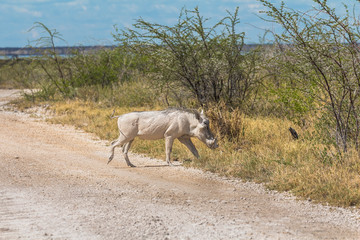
{"x":112,"y":115}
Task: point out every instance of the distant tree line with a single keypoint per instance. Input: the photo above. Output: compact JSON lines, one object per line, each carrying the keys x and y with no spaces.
{"x":31,"y":51}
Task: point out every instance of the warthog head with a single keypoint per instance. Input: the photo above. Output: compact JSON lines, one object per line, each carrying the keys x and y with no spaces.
{"x":204,"y":133}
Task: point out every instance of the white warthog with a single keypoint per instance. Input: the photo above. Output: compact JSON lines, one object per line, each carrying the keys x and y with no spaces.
{"x":170,"y":124}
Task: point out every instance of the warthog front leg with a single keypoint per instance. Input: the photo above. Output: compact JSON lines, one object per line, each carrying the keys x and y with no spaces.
{"x":189,"y":144}
{"x":168,"y":148}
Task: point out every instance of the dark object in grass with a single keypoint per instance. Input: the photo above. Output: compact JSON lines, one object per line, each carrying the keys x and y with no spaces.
{"x":293,"y":133}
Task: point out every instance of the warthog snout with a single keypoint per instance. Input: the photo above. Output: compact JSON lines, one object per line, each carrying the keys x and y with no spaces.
{"x":212,"y":143}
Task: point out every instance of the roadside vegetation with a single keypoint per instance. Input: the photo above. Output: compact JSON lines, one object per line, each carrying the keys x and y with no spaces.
{"x":308,"y":78}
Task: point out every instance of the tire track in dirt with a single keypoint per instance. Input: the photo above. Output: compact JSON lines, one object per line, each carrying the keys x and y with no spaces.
{"x":55,"y":184}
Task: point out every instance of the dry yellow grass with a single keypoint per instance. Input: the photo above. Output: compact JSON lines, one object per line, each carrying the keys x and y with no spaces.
{"x":264,"y":152}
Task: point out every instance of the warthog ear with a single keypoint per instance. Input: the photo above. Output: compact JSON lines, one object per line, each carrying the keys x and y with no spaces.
{"x":199,"y":116}
{"x":202,"y":116}
{"x":203,"y":119}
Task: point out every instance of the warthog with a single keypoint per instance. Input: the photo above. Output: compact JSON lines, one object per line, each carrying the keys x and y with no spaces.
{"x":170,"y":124}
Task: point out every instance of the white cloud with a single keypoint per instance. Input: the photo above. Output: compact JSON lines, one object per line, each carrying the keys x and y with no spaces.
{"x":35,"y":34}
{"x":74,"y":4}
{"x":166,"y":8}
{"x":129,"y":7}
{"x":23,"y":1}
{"x":255,"y":7}
{"x":238,"y":1}
{"x":27,"y":11}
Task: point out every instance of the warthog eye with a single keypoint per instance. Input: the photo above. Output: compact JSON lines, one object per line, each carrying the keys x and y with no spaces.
{"x":204,"y":121}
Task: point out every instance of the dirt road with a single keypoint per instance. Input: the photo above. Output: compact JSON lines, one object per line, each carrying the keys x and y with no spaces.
{"x":55,"y":184}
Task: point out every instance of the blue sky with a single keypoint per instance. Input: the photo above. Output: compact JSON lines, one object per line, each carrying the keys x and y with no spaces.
{"x":90,"y":22}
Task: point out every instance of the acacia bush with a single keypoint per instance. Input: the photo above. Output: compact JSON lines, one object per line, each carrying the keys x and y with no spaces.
{"x":57,"y":70}
{"x":205,"y":60}
{"x":72,"y":75}
{"x":321,"y":59}
{"x":104,"y":67}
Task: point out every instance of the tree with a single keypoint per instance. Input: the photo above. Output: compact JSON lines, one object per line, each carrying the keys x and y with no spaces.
{"x":207,"y":61}
{"x":323,"y":56}
{"x":49,"y":60}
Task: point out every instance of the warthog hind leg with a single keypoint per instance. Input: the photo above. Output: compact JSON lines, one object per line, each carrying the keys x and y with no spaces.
{"x":125,"y":150}
{"x":126,"y":145}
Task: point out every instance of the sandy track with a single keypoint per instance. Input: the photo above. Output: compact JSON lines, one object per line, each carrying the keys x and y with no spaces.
{"x":55,"y":184}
